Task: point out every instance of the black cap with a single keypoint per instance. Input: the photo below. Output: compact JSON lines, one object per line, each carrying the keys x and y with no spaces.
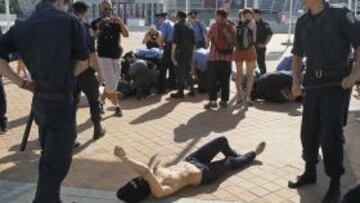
{"x":181,"y":14}
{"x":161,"y":15}
{"x":193,"y":13}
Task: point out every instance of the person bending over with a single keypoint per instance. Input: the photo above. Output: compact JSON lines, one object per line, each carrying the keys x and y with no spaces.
{"x":197,"y":169}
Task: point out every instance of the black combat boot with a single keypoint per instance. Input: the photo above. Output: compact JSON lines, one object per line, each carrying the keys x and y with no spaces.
{"x":3,"y":125}
{"x":333,"y":194}
{"x":308,"y":178}
{"x":99,"y":131}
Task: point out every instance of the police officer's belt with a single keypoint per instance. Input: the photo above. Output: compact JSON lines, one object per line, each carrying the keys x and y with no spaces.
{"x":323,"y":73}
{"x":53,"y":96}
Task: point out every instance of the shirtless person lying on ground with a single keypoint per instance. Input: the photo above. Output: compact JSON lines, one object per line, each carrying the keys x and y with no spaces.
{"x":197,"y":169}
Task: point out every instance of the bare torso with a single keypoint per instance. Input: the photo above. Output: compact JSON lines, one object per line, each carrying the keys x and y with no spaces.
{"x":179,"y":176}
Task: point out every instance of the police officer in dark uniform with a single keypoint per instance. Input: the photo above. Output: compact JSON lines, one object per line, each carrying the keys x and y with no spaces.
{"x":182,"y":52}
{"x":87,"y":81}
{"x":263,"y":37}
{"x":52,"y":44}
{"x":327,"y":80}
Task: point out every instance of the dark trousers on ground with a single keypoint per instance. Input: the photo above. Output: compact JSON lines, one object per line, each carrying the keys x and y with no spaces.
{"x":219,"y":75}
{"x":183,"y":76}
{"x":261,"y":57}
{"x":212,"y":170}
{"x":322,"y":125}
{"x":167,"y":64}
{"x":88,"y":83}
{"x":56,"y":135}
{"x":2,"y":102}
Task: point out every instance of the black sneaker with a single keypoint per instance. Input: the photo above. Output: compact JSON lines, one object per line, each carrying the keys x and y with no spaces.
{"x":210,"y":105}
{"x":118,"y":112}
{"x":223,"y":104}
{"x":177,"y":95}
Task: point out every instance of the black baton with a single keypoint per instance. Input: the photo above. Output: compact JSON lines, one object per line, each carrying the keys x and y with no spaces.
{"x":27,"y":131}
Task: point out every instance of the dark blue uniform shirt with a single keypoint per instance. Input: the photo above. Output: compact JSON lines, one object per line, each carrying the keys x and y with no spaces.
{"x":90,"y":41}
{"x":325,"y":40}
{"x":49,"y":42}
{"x":263,"y":30}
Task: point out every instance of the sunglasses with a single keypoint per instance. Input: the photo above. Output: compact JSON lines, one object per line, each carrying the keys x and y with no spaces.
{"x":107,"y":9}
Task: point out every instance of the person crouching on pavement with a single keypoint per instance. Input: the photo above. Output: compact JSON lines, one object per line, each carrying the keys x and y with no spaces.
{"x":108,"y":31}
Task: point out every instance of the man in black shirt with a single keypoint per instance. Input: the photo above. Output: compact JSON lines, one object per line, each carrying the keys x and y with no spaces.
{"x":108,"y":31}
{"x":181,"y":54}
{"x":263,"y":37}
{"x":53,"y":46}
{"x":87,"y":81}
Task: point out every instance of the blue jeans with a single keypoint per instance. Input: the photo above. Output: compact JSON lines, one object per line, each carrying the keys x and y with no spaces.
{"x":212,"y":170}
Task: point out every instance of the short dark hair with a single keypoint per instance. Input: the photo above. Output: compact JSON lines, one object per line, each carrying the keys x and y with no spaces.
{"x":181,"y":14}
{"x":257,"y":11}
{"x":222,"y":12}
{"x":80,"y":7}
{"x":134,"y":191}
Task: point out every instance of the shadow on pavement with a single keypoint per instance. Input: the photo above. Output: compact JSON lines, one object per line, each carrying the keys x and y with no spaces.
{"x":292,"y":109}
{"x":17,"y":122}
{"x":165,"y":109}
{"x":314,"y":193}
{"x":133,"y":103}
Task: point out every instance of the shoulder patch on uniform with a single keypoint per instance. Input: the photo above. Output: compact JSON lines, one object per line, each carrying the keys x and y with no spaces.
{"x":351,"y":17}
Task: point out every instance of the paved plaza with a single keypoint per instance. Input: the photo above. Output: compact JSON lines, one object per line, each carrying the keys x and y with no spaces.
{"x":174,"y":128}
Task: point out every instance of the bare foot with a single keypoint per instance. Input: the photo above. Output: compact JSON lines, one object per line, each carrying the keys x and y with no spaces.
{"x":119,"y":152}
{"x":260,"y":148}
